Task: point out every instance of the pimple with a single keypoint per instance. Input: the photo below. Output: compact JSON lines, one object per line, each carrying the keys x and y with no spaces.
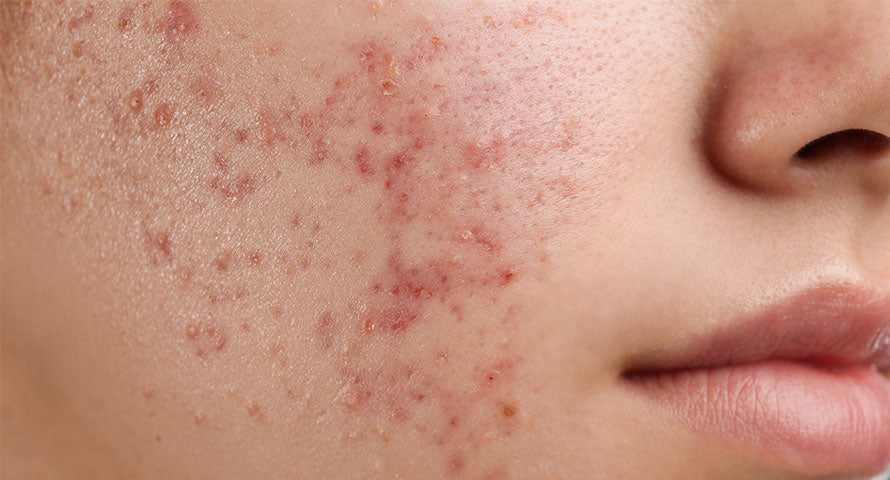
{"x":181,"y":20}
{"x":204,"y":89}
{"x":148,"y":392}
{"x":234,"y":189}
{"x":125,"y":19}
{"x":223,"y":261}
{"x":163,"y":115}
{"x":254,"y":258}
{"x":159,"y":246}
{"x":135,"y":101}
{"x":255,"y":411}
{"x":241,"y":135}
{"x":363,"y":163}
{"x":325,"y":330}
{"x":77,"y":49}
{"x":455,"y":464}
{"x":85,"y":16}
{"x":220,"y":162}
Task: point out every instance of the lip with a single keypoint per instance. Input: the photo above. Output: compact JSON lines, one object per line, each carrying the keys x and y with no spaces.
{"x":797,"y":380}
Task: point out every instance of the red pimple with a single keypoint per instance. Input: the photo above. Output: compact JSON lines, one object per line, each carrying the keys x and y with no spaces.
{"x":181,"y":20}
{"x":163,"y":115}
{"x":148,"y":87}
{"x":125,"y":19}
{"x":255,"y":410}
{"x":158,"y":246}
{"x":86,"y":16}
{"x":254,"y":258}
{"x":325,"y":330}
{"x":475,"y":236}
{"x":135,"y":101}
{"x":295,"y":220}
{"x":148,"y":392}
{"x":200,"y":418}
{"x":455,"y":464}
{"x":207,"y":338}
{"x":377,"y":128}
{"x":234,"y":189}
{"x":221,"y":162}
{"x":319,"y":152}
{"x":359,"y":393}
{"x":241,"y":135}
{"x":362,"y":162}
{"x":192,"y":331}
{"x":204,"y":89}
{"x":223,"y":261}
{"x":506,"y":276}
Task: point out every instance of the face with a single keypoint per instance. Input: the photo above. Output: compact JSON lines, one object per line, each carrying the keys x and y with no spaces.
{"x":433,"y":240}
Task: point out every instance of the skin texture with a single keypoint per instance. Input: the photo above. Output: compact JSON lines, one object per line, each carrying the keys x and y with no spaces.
{"x":413,"y":239}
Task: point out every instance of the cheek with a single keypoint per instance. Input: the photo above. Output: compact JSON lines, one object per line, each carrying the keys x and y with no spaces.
{"x":358,"y":223}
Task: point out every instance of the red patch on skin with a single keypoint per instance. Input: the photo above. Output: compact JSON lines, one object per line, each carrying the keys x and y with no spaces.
{"x":135,"y":102}
{"x":223,"y":261}
{"x":158,"y":246}
{"x":479,"y":238}
{"x":377,"y":128}
{"x":362,"y":162}
{"x":85,"y":17}
{"x":148,"y":392}
{"x":295,"y":220}
{"x":255,"y":410}
{"x":325,"y":330}
{"x":234,"y":189}
{"x":180,"y":21}
{"x":206,"y":338}
{"x":506,"y":276}
{"x":393,"y":319}
{"x":241,"y":135}
{"x":204,"y":89}
{"x":163,"y":115}
{"x":125,"y":19}
{"x":319,"y":152}
{"x":221,"y":162}
{"x":481,"y":154}
{"x":455,"y":464}
{"x":358,"y":394}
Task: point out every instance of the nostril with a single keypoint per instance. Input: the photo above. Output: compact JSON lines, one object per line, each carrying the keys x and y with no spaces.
{"x":857,"y":142}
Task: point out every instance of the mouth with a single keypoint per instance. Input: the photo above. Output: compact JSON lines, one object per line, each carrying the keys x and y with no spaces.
{"x":800,"y":380}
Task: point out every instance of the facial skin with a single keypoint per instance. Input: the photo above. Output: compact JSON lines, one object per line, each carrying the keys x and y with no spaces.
{"x":413,"y":239}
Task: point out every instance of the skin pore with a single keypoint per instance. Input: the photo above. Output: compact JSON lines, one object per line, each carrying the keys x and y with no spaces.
{"x":385,"y":238}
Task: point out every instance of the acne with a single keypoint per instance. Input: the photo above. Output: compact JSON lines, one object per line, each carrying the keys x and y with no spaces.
{"x":207,"y":338}
{"x":84,"y":17}
{"x":180,"y":22}
{"x":163,"y":115}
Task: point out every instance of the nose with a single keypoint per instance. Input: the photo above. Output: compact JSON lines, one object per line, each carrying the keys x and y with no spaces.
{"x":803,"y":101}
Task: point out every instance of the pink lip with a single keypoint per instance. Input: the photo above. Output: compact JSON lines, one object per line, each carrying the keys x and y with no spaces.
{"x":797,"y":380}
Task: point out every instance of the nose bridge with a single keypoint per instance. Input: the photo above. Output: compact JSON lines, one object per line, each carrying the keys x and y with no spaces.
{"x":782,"y":89}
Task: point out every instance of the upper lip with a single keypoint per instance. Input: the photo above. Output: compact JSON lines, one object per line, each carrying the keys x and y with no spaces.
{"x":829,"y":325}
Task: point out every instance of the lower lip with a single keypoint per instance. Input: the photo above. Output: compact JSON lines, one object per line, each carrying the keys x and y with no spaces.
{"x":821,"y":421}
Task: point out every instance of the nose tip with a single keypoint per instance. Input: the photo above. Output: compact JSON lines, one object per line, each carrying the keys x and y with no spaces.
{"x":784,"y":108}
